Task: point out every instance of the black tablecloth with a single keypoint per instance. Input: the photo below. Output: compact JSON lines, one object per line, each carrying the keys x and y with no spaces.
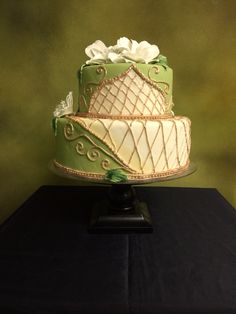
{"x":49,"y":263}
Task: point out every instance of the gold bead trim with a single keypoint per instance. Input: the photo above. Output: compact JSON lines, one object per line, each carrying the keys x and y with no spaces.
{"x":121,"y":117}
{"x":131,"y":177}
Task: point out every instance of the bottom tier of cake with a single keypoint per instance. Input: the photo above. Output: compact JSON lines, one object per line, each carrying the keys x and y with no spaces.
{"x":94,"y":148}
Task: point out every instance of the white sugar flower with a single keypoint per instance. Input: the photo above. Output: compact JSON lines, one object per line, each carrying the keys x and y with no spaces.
{"x":65,"y":107}
{"x":97,"y":52}
{"x":124,"y":44}
{"x":142,"y":52}
{"x":125,"y":50}
{"x":115,"y":57}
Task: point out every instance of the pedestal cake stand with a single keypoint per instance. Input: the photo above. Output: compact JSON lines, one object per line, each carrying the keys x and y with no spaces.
{"x":120,"y":210}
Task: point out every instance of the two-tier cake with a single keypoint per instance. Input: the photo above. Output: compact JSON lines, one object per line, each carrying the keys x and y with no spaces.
{"x":125,"y":129}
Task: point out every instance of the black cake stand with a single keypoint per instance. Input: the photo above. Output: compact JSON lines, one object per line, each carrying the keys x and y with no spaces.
{"x":120,"y":210}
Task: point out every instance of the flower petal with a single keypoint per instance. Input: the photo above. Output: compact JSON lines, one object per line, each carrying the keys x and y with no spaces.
{"x":115,"y":57}
{"x":65,"y":107}
{"x":97,"y":47}
{"x":146,"y":51}
{"x":124,"y":43}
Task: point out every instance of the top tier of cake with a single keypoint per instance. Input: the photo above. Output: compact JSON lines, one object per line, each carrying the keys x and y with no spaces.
{"x":128,"y":79}
{"x":125,"y":89}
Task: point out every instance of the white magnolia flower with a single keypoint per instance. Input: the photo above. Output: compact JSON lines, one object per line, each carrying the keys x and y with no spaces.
{"x":97,"y":52}
{"x":115,"y":57}
{"x":65,"y":107}
{"x":124,"y":44}
{"x":142,"y":52}
{"x":125,"y":50}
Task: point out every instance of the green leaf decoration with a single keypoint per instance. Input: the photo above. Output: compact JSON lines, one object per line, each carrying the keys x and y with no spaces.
{"x":162,"y":60}
{"x":115,"y":176}
{"x":54,"y":125}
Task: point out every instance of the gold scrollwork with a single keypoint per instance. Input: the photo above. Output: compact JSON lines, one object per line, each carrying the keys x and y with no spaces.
{"x":93,"y":154}
{"x":156,"y":71}
{"x":68,"y":131}
{"x":80,"y":148}
{"x":166,"y":87}
{"x":101,"y":70}
{"x":90,"y":86}
{"x":105,"y":164}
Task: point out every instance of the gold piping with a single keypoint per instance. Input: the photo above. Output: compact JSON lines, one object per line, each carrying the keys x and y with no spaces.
{"x":98,"y":176}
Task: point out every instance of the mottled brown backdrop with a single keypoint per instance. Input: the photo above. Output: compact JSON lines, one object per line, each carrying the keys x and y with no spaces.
{"x":42,"y":46}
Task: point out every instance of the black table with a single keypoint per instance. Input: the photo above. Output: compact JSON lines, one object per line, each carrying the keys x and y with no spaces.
{"x":49,"y":263}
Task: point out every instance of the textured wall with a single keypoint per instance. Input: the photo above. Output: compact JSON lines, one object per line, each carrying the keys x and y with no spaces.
{"x":42,"y":46}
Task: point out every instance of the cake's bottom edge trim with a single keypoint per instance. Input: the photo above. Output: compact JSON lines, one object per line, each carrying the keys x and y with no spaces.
{"x":131,"y":177}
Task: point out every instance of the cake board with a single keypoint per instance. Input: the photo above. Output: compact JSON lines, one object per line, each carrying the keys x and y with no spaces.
{"x":120,"y":211}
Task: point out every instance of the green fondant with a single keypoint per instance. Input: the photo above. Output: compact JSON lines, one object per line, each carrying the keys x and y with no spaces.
{"x":89,"y":77}
{"x":116,"y":176}
{"x":54,"y":125}
{"x":70,"y":155}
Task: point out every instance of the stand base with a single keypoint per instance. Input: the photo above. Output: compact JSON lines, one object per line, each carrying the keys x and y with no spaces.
{"x":120,"y":213}
{"x":104,"y":221}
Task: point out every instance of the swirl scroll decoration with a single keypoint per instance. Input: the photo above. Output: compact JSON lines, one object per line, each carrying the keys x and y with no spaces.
{"x":105,"y":164}
{"x":90,"y":86}
{"x":80,"y":148}
{"x":166,"y":87}
{"x":93,"y":154}
{"x":156,"y":70}
{"x":69,"y":132}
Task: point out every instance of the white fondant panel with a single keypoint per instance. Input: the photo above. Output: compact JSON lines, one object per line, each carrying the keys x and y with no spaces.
{"x":146,"y":146}
{"x":128,"y":94}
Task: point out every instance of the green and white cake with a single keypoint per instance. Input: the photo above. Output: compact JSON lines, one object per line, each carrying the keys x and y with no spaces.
{"x":124,"y":129}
